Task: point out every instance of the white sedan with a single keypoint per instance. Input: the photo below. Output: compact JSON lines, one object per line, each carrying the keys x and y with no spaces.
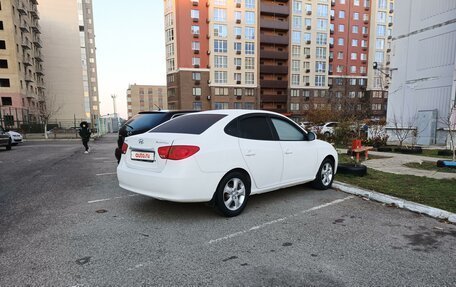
{"x":223,"y":157}
{"x":16,"y":138}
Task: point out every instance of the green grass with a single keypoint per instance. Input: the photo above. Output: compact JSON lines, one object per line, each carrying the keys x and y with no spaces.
{"x":430,"y":165}
{"x":439,"y":193}
{"x":427,"y":152}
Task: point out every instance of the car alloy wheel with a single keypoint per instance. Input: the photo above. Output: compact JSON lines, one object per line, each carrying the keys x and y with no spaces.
{"x":232,"y":193}
{"x":325,"y":175}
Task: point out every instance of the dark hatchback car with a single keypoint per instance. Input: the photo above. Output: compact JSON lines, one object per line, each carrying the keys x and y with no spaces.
{"x":141,"y":123}
{"x":5,"y":139}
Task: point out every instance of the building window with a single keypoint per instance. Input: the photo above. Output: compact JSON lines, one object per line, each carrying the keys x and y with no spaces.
{"x":295,"y":79}
{"x":196,"y":76}
{"x":352,"y":69}
{"x":320,"y":80}
{"x":381,"y":30}
{"x":170,"y":34}
{"x":221,"y":106}
{"x":7,"y":101}
{"x":219,"y":14}
{"x":322,"y":10}
{"x":352,"y":95}
{"x":340,"y":41}
{"x":322,"y":39}
{"x":341,"y":14}
{"x":352,"y":82}
{"x":250,"y":4}
{"x":4,"y":64}
{"x":297,"y":22}
{"x":195,"y":46}
{"x":220,"y":30}
{"x":249,"y":92}
{"x":295,"y":65}
{"x":297,"y":6}
{"x":322,"y":24}
{"x":195,"y":31}
{"x":249,"y":63}
{"x":355,"y":29}
{"x":249,"y":78}
{"x":294,"y":93}
{"x":296,"y":37}
{"x":4,"y":83}
{"x":237,"y":47}
{"x":249,"y":48}
{"x":197,"y":106}
{"x":354,"y":43}
{"x":221,"y":77}
{"x":196,"y":61}
{"x":380,"y":44}
{"x":320,"y":67}
{"x":354,"y":56}
{"x":221,"y":91}
{"x":238,"y":106}
{"x":249,"y":33}
{"x":196,"y":92}
{"x":194,"y":14}
{"x":295,"y":51}
{"x":356,"y":16}
{"x":237,"y":77}
{"x":320,"y":53}
{"x":237,"y":92}
{"x":220,"y":46}
{"x":221,"y":61}
{"x":250,"y":18}
{"x":238,"y":31}
{"x":294,"y":106}
{"x":341,"y":28}
{"x":376,"y":107}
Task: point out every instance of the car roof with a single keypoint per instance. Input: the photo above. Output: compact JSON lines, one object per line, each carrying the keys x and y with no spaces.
{"x":235,"y":113}
{"x":167,"y":112}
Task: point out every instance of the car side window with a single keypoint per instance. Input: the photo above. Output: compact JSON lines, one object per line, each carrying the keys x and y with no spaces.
{"x":255,"y":128}
{"x":286,"y":131}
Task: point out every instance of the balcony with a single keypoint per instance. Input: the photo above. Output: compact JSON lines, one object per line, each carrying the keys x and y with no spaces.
{"x":270,"y":69}
{"x":308,"y":42}
{"x":280,"y":55}
{"x":274,"y":9}
{"x":238,"y":21}
{"x":27,"y":62}
{"x":37,"y":42}
{"x":21,"y":8}
{"x":274,"y":98}
{"x":25,"y":44}
{"x":28,"y":78}
{"x":34,"y":12}
{"x":390,"y":24}
{"x":36,"y":27}
{"x":23,"y":27}
{"x":274,"y":84}
{"x":38,"y":57}
{"x":388,"y":50}
{"x":390,"y":37}
{"x":280,"y":40}
{"x":39,"y":70}
{"x":273,"y":24}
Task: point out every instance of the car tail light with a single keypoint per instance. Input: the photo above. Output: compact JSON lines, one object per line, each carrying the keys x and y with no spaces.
{"x":124,"y":148}
{"x":177,"y":152}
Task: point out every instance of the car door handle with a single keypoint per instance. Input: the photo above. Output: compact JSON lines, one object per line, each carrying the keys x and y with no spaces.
{"x":250,"y":153}
{"x":288,"y":152}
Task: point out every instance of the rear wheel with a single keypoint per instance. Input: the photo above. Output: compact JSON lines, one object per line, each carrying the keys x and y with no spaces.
{"x":232,"y":194}
{"x":325,"y":175}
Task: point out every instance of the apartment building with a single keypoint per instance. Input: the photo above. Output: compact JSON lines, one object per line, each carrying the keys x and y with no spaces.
{"x":142,"y":98}
{"x":21,"y":69}
{"x":291,"y":57}
{"x":212,"y":54}
{"x":422,"y":93}
{"x":69,"y":49}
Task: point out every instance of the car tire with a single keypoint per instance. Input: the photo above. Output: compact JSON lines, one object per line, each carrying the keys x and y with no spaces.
{"x":358,"y":170}
{"x":8,"y":147}
{"x":325,"y":175}
{"x":232,"y":194}
{"x":327,"y":134}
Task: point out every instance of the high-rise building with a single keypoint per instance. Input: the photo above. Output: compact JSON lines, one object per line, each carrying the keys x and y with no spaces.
{"x":212,"y":54}
{"x":291,"y":57}
{"x":69,"y":50}
{"x":21,"y":70}
{"x":142,"y":98}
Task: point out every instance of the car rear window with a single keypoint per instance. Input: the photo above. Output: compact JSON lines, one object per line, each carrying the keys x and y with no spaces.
{"x":189,"y":124}
{"x":146,"y":121}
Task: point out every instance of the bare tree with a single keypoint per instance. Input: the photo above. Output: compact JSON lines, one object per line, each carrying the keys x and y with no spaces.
{"x":403,"y":129}
{"x":47,"y":109}
{"x":450,"y":123}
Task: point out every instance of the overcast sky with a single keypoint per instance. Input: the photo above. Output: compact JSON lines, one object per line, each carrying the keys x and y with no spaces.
{"x":130,"y":48}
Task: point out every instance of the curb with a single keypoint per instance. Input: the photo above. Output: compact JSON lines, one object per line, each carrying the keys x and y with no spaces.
{"x":401,"y":203}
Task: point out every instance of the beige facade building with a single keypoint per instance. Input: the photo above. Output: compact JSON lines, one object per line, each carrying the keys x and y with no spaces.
{"x":21,"y":70}
{"x":69,"y":50}
{"x":142,"y":98}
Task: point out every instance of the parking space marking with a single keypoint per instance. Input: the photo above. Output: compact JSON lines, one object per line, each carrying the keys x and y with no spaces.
{"x":107,"y":199}
{"x":107,"y":173}
{"x":277,"y":220}
{"x":100,"y":158}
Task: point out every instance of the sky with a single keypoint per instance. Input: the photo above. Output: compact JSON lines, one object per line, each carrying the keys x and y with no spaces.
{"x":130,"y":37}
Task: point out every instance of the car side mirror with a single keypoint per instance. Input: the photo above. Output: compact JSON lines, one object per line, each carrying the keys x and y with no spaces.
{"x":311,"y":136}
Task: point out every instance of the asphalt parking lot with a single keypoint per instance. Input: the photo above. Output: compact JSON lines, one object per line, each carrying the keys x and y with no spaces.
{"x":65,"y":221}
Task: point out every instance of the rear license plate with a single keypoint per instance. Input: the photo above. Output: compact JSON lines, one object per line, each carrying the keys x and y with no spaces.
{"x":143,"y":155}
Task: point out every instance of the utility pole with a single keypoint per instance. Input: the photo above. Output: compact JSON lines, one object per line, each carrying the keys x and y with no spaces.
{"x":114,"y":96}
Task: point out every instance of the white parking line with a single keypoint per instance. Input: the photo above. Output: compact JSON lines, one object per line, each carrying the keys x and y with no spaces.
{"x":107,"y":199}
{"x":277,"y":220}
{"x":107,"y":173}
{"x":100,"y":158}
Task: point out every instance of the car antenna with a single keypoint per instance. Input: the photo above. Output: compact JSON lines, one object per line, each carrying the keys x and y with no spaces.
{"x":159,"y":109}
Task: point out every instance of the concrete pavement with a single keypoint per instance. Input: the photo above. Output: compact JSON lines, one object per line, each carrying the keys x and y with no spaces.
{"x":394,"y":163}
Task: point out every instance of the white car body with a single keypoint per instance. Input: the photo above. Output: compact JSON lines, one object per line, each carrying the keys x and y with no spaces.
{"x":16,"y":138}
{"x":325,"y":129}
{"x":270,"y":164}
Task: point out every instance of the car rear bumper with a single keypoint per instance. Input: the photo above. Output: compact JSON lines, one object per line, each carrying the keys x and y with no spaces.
{"x":194,"y":186}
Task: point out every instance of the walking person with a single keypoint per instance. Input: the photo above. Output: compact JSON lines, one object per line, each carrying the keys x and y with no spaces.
{"x":84,"y":133}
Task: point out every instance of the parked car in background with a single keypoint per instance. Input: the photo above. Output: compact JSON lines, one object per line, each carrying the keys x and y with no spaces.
{"x":16,"y":138}
{"x":5,"y":139}
{"x":326,"y":129}
{"x":306,"y":125}
{"x":141,"y":123}
{"x":223,"y":157}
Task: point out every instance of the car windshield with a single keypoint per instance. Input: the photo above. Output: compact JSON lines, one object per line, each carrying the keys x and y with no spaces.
{"x":145,"y":121}
{"x":189,"y":124}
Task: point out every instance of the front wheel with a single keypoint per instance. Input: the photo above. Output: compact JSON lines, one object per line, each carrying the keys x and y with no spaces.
{"x":325,"y":175}
{"x":232,"y":194}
